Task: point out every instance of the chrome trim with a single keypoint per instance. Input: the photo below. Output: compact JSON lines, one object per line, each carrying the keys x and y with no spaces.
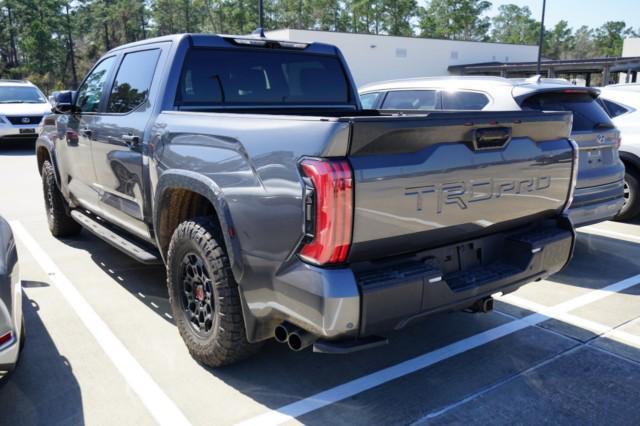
{"x":574,"y":176}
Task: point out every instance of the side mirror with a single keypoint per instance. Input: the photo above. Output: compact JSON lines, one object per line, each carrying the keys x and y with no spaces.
{"x":64,"y":102}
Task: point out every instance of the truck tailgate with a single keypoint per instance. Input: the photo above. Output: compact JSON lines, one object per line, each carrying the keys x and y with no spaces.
{"x":425,"y":181}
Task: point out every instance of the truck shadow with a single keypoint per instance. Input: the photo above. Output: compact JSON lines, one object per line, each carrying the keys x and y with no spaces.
{"x":277,"y":376}
{"x":43,"y":388}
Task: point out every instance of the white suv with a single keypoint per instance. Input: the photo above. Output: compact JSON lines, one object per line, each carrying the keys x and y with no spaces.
{"x":622,"y":103}
{"x":599,"y":187}
{"x":22,"y":106}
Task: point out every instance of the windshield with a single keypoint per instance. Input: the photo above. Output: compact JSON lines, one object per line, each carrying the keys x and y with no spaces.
{"x":270,"y":77}
{"x":20,"y":95}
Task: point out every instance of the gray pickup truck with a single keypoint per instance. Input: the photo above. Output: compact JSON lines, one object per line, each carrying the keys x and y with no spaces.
{"x":283,"y":210}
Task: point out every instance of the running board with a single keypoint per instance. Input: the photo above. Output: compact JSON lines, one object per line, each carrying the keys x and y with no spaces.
{"x":117,"y":240}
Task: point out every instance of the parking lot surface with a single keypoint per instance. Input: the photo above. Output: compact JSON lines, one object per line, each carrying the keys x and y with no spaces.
{"x":102,"y":347}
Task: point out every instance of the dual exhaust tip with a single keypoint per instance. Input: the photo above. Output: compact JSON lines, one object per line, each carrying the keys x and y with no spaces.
{"x":296,"y":338}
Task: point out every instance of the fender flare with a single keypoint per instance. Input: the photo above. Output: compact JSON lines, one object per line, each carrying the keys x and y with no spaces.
{"x":206,"y":187}
{"x":48,"y":145}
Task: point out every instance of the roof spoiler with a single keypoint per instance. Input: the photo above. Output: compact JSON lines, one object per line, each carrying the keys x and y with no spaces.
{"x":536,"y":79}
{"x":258,"y":32}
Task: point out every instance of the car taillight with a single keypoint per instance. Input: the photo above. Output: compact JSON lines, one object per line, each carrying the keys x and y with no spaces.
{"x":5,"y":338}
{"x":329,"y":211}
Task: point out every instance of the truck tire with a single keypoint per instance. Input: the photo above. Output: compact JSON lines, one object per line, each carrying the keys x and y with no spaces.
{"x":631,"y":206}
{"x":61,"y":224}
{"x":204,"y":296}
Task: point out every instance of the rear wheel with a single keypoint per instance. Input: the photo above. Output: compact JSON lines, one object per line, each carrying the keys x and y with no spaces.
{"x":204,"y":296}
{"x":61,"y":224}
{"x":631,"y":206}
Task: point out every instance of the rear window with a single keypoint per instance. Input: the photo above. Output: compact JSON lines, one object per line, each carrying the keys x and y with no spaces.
{"x":268,"y":77}
{"x":411,"y":99}
{"x":614,"y":108}
{"x":460,"y":100}
{"x":587,"y":113}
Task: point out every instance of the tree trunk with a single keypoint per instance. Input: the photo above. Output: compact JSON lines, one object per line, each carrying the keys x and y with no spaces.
{"x":72,"y":54}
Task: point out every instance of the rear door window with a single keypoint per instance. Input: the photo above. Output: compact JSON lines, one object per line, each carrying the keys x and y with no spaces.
{"x":588,"y":115}
{"x":261,"y":77}
{"x":461,"y":100}
{"x":411,"y":99}
{"x":133,"y":81}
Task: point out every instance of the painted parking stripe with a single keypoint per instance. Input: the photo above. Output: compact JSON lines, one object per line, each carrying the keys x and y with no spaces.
{"x":606,"y":233}
{"x":160,"y":406}
{"x":586,"y":324}
{"x":601,"y":330}
{"x":364,"y":383}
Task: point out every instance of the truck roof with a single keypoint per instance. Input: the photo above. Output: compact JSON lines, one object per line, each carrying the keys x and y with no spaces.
{"x":222,"y":40}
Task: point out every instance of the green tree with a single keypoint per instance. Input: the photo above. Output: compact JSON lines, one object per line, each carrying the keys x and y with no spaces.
{"x":559,"y":42}
{"x":398,"y":16}
{"x":513,"y":24}
{"x":455,"y":19}
{"x":610,"y":36}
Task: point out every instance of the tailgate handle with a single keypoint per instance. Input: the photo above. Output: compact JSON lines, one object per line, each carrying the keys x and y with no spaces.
{"x":491,"y":138}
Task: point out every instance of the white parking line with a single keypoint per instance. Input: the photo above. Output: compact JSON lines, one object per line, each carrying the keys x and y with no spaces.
{"x":160,"y":406}
{"x":583,"y":323}
{"x":364,"y":383}
{"x":606,"y":233}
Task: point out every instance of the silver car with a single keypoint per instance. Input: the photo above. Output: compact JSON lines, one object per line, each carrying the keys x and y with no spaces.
{"x":22,"y":107}
{"x":11,"y":322}
{"x":600,"y":185}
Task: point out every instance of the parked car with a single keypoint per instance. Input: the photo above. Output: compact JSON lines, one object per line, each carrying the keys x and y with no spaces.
{"x":282,"y":209}
{"x":600,"y":187}
{"x":22,"y":106}
{"x":622,"y":103}
{"x":11,"y":321}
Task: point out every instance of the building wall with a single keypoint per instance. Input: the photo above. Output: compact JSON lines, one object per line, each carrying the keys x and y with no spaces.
{"x":375,"y":58}
{"x":631,"y":47}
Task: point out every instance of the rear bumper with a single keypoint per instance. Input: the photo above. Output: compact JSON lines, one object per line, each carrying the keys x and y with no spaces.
{"x":374,"y":298}
{"x":596,"y":204}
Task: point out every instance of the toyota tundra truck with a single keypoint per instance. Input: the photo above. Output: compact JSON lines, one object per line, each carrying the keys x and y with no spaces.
{"x":283,"y":209}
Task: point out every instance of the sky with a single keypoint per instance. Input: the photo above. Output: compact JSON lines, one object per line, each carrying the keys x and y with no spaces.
{"x":592,"y":13}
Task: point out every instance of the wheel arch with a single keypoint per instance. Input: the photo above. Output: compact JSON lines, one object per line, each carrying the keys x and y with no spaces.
{"x":44,"y":152}
{"x":181,"y":195}
{"x":631,"y":162}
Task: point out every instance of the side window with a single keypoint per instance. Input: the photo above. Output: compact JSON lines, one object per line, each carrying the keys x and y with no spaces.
{"x":411,"y":99}
{"x":613,"y":108}
{"x":369,"y":100}
{"x":90,"y":92}
{"x":459,"y":100}
{"x":133,"y":81}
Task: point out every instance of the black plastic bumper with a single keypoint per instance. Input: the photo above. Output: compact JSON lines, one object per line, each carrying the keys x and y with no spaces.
{"x":453,"y":277}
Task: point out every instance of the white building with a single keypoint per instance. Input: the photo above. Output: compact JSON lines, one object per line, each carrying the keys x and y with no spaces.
{"x":380,"y":57}
{"x":631,"y":47}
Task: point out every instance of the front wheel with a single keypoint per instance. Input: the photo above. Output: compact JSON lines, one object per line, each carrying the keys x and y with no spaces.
{"x":631,"y":206}
{"x":204,"y":296}
{"x":61,"y":224}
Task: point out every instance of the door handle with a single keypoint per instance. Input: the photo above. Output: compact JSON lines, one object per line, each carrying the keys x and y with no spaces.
{"x":131,"y":140}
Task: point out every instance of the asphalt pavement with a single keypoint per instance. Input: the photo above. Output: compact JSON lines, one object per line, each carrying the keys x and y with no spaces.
{"x":102,"y":347}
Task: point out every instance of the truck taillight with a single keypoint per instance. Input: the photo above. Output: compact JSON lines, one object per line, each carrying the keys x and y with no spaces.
{"x":330,"y":211}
